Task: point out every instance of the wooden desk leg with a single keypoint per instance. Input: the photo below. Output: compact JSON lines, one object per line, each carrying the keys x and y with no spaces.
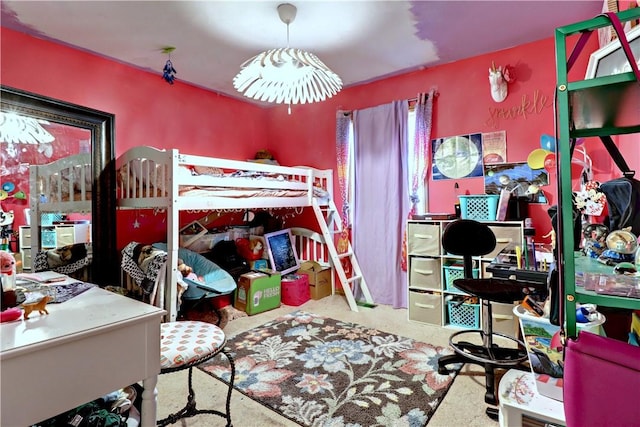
{"x":149,"y":402}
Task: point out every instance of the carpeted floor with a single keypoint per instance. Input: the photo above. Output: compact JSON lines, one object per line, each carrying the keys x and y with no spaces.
{"x":462,"y":405}
{"x":319,"y":371}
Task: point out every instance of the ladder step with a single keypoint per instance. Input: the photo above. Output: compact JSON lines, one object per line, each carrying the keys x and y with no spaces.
{"x":353,"y":279}
{"x":345,"y":255}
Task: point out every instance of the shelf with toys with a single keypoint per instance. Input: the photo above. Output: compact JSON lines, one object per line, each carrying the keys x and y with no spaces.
{"x":594,"y":107}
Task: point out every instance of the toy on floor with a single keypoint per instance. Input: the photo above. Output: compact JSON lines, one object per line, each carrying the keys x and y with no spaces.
{"x":39,"y":306}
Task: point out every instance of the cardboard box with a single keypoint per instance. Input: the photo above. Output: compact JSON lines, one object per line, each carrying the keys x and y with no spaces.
{"x":295,"y":289}
{"x":258,"y":292}
{"x":319,"y":278}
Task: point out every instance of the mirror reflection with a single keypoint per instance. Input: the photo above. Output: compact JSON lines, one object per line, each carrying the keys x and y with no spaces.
{"x":55,"y":185}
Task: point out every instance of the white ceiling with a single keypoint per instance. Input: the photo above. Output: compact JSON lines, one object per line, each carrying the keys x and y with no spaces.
{"x":360,"y":40}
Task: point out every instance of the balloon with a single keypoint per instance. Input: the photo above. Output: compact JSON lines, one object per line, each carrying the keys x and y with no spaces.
{"x":3,"y":194}
{"x":535,"y":160}
{"x":550,"y":162}
{"x":20,"y":195}
{"x":548,"y":142}
{"x":8,"y":186}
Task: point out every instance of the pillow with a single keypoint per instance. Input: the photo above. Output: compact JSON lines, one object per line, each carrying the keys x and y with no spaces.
{"x":215,"y":278}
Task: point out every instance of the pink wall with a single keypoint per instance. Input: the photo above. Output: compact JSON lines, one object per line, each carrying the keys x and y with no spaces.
{"x":150,"y":112}
{"x":464,"y":105}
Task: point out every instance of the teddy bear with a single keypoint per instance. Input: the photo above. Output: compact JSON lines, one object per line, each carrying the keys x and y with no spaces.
{"x":187,"y":271}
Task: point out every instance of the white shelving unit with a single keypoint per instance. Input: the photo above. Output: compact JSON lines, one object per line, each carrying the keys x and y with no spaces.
{"x":432,"y":297}
{"x":51,"y":237}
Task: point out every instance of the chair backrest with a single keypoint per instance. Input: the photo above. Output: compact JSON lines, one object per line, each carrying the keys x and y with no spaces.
{"x":468,"y":238}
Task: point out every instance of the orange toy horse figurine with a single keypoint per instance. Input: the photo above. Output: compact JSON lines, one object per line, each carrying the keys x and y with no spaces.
{"x":39,"y":306}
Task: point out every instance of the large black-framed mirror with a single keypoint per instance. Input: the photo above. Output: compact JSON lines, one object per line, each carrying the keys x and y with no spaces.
{"x":99,"y":127}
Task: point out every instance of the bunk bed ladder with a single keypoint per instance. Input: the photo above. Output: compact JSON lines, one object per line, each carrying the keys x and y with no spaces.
{"x":331,"y":225}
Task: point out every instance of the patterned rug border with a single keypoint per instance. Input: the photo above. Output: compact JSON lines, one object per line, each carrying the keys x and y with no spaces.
{"x":296,"y":314}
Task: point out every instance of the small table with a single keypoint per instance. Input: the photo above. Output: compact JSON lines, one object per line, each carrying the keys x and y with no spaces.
{"x":86,"y":347}
{"x":519,"y":397}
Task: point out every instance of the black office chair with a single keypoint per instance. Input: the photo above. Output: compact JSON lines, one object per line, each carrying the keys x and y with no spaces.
{"x":471,"y":238}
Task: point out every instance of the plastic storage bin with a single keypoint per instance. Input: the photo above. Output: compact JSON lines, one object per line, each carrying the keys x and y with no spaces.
{"x":453,"y":272}
{"x":463,"y":314}
{"x":479,"y":207}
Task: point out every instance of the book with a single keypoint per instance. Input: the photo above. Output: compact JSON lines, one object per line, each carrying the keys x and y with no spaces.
{"x":44,"y":277}
{"x":434,"y":216}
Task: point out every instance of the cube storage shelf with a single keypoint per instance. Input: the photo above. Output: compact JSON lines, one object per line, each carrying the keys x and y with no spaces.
{"x":51,"y":237}
{"x":432,"y":297}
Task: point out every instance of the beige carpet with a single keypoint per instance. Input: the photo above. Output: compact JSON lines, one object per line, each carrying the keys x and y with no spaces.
{"x":463,"y":405}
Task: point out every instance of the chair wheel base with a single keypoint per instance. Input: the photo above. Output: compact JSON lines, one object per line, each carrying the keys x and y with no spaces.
{"x":495,"y":355}
{"x":492,"y":413}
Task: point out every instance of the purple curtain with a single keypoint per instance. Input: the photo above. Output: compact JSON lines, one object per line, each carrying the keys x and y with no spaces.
{"x":381,"y":202}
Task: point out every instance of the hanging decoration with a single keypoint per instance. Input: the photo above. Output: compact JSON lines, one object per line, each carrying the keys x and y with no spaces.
{"x":168,"y":72}
{"x":17,"y":129}
{"x":499,"y":77}
{"x":287,"y":75}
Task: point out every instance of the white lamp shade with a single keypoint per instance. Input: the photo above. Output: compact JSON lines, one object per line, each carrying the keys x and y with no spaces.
{"x":287,"y":76}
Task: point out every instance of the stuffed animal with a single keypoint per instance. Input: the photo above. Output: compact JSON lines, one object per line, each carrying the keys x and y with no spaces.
{"x":8,"y":271}
{"x":184,"y":268}
{"x":7,"y":263}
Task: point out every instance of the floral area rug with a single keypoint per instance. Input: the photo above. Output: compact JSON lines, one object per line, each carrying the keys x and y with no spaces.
{"x":318,"y":371}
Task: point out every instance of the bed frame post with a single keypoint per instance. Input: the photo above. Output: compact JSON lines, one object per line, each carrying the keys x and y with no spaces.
{"x":173,"y":217}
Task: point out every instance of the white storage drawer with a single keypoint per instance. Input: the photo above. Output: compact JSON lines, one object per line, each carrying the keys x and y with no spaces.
{"x":504,"y":237}
{"x":425,"y":307}
{"x":73,"y":233}
{"x":25,"y":236}
{"x":26,"y":258}
{"x":65,"y":235}
{"x":423,"y":239}
{"x":503,"y":319}
{"x":425,"y":273}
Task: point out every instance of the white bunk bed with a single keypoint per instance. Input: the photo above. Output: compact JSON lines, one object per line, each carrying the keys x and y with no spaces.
{"x":148,"y":178}
{"x":62,"y":186}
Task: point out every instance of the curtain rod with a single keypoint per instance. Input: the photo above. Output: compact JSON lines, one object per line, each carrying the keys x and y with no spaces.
{"x":414,"y":99}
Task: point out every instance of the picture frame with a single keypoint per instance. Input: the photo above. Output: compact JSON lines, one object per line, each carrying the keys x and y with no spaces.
{"x":282,"y":252}
{"x":610,"y":59}
{"x":503,"y":205}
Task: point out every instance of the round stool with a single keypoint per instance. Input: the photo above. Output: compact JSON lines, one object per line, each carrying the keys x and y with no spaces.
{"x":187,"y":344}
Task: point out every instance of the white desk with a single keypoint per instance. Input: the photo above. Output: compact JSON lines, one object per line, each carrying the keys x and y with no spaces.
{"x":88,"y":346}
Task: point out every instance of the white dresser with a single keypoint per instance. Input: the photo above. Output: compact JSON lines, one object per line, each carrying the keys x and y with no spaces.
{"x":86,"y":347}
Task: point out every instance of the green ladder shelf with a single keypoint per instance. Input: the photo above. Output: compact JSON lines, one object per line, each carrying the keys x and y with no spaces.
{"x":587,"y":108}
